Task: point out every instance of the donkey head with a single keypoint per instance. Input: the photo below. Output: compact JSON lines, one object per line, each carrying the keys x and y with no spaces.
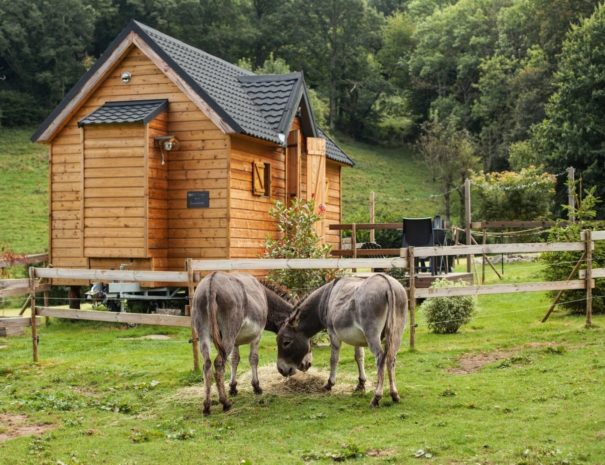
{"x":293,"y":348}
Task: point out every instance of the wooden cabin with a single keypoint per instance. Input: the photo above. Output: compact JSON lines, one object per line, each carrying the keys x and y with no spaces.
{"x":162,"y":152}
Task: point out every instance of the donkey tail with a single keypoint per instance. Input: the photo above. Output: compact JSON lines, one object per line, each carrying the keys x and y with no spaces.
{"x":213,"y":319}
{"x":391,"y":327}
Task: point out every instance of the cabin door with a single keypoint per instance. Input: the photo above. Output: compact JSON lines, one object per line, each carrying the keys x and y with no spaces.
{"x":293,"y":163}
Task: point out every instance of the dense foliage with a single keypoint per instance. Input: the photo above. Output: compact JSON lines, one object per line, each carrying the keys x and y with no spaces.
{"x":522,"y":78}
{"x":297,"y":239}
{"x":573,"y":133}
{"x":508,"y":195}
{"x":445,"y":315}
{"x":560,"y":264}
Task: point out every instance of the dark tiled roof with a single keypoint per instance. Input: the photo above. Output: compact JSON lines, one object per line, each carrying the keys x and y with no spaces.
{"x":334,"y":152}
{"x":273,"y":95}
{"x":137,"y":111}
{"x":258,"y":106}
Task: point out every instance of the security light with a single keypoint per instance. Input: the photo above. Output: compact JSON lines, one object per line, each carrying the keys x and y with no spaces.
{"x":126,"y":77}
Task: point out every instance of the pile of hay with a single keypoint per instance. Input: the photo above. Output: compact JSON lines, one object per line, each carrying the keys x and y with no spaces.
{"x":272,"y":382}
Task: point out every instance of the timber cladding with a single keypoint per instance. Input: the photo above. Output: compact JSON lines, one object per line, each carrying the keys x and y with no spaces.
{"x":119,"y":195}
{"x":105,"y":205}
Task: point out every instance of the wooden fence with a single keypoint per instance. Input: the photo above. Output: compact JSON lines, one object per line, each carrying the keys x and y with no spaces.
{"x":583,"y":280}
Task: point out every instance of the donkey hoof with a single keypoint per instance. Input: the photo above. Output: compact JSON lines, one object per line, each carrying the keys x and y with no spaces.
{"x":328,"y":386}
{"x":257,"y":389}
{"x":375,"y":401}
{"x":206,"y":410}
{"x":226,"y":406}
{"x":233,"y":390}
{"x":361,"y":387}
{"x":395,"y":397}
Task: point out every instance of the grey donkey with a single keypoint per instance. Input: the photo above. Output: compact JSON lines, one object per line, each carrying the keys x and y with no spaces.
{"x":361,"y":312}
{"x":228,"y":310}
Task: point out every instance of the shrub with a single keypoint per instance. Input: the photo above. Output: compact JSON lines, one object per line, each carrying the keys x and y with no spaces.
{"x":445,"y":315}
{"x":297,"y":239}
{"x":558,"y":265}
{"x":524,"y":195}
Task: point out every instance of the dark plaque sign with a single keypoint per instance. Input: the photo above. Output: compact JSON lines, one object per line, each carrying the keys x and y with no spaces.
{"x":200,"y":199}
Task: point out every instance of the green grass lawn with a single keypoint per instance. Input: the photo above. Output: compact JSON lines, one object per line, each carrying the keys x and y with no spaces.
{"x":23,"y":192}
{"x":110,"y":399}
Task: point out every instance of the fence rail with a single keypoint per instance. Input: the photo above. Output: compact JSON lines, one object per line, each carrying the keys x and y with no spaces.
{"x":116,"y":317}
{"x":24,"y":260}
{"x":38,"y":276}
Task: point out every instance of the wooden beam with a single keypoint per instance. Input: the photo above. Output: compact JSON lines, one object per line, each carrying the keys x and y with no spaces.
{"x":513,"y":224}
{"x":501,"y":288}
{"x":116,"y":317}
{"x":596,"y":273}
{"x":366,"y":252}
{"x":112,"y":275}
{"x":530,"y":247}
{"x":26,"y":260}
{"x":296,"y":263}
{"x":366,"y":226}
{"x":20,"y":321}
{"x":595,"y":235}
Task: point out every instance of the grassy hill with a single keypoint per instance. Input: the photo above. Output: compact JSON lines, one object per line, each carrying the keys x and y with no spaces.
{"x":398,"y":177}
{"x":23,"y":192}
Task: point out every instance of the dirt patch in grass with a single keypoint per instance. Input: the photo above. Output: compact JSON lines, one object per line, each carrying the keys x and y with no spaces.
{"x":273,"y":383}
{"x":3,"y":347}
{"x":14,"y":426}
{"x":469,"y":363}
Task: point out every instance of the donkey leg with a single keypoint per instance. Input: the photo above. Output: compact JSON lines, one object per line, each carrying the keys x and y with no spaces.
{"x":234,"y":363}
{"x":359,"y":358}
{"x":253,"y":358}
{"x":380,"y":356}
{"x":219,"y":375}
{"x":207,"y":376}
{"x":334,"y":356}
{"x":392,"y":387}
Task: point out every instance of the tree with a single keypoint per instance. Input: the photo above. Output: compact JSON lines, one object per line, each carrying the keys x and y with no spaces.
{"x":573,"y":133}
{"x":43,"y":48}
{"x":333,"y":42}
{"x":449,"y":154}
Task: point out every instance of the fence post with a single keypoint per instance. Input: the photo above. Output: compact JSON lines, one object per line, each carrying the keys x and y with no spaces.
{"x":467,"y":220}
{"x":412,"y":297}
{"x":571,"y":193}
{"x":194,"y":336}
{"x":46,"y":319}
{"x":32,"y":291}
{"x":588,"y":242}
{"x":354,"y":239}
{"x":372,"y":216}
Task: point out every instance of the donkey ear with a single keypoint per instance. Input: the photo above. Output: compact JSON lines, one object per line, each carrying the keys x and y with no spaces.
{"x":294,"y":321}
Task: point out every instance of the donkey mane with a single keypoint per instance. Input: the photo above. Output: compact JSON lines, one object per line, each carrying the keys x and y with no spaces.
{"x":281,"y":290}
{"x":305,"y":304}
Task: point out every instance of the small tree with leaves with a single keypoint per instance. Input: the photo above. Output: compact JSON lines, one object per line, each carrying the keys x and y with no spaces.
{"x":558,"y":265}
{"x":449,"y":154}
{"x":297,"y":239}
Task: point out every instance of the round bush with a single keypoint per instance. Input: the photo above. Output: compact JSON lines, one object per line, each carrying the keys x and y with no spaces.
{"x":445,"y":315}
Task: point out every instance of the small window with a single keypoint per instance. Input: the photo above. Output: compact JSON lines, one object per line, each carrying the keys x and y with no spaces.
{"x":261,"y":179}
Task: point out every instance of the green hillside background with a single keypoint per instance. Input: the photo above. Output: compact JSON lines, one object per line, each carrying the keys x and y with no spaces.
{"x":398,"y":177}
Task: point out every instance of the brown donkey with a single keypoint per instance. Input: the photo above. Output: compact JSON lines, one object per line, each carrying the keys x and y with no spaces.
{"x":231,"y":309}
{"x":361,"y":312}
